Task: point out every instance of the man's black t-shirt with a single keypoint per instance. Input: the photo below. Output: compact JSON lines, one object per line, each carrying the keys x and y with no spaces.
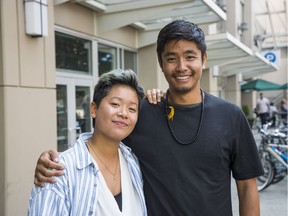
{"x":193,"y":179}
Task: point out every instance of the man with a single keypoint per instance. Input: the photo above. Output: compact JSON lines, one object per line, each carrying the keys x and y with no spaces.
{"x":189,"y":143}
{"x":263,"y":108}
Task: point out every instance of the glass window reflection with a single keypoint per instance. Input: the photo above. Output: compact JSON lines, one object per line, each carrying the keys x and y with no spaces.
{"x":62,"y":118}
{"x":83,"y":120}
{"x":130,"y":60}
{"x":73,"y":53}
{"x":107,"y":60}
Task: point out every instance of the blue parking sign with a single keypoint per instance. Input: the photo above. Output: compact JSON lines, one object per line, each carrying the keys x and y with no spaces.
{"x":273,"y":56}
{"x":270,"y":56}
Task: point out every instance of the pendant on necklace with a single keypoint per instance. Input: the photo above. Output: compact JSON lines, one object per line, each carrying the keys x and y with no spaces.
{"x":171,"y":114}
{"x":115,"y":178}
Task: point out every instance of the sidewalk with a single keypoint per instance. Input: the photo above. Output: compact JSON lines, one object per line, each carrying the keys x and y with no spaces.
{"x":273,"y":200}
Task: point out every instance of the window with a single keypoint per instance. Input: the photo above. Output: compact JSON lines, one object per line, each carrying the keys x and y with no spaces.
{"x":73,"y":53}
{"x":83,"y":119}
{"x":110,"y":58}
{"x":130,"y":60}
{"x":62,"y":118}
{"x":107,"y":58}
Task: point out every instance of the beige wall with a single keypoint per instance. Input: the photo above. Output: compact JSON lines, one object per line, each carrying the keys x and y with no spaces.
{"x":2,"y":149}
{"x":30,"y":127}
{"x":125,"y":36}
{"x":150,"y":73}
{"x":76,"y":17}
{"x":9,"y":35}
{"x":28,"y":101}
{"x":148,"y":67}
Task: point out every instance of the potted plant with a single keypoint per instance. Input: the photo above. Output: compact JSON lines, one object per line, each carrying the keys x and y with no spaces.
{"x":246,"y":111}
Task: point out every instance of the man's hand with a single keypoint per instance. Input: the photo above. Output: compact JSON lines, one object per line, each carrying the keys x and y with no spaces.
{"x":47,"y":167}
{"x":155,"y":95}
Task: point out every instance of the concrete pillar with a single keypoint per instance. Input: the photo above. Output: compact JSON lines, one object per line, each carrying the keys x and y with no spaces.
{"x":209,"y":82}
{"x":249,"y":18}
{"x":27,"y":104}
{"x":233,"y":14}
{"x":232,"y":90}
{"x":150,"y":74}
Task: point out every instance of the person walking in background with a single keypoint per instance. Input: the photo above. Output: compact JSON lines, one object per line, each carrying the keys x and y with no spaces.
{"x":272,"y":114}
{"x":263,"y":107}
{"x":102,"y":176}
{"x":283,"y":111}
{"x":190,"y":143}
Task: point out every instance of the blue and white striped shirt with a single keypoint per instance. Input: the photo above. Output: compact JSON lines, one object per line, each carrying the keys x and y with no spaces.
{"x":76,"y":192}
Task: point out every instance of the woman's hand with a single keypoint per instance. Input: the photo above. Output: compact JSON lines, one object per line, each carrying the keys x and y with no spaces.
{"x":155,"y":95}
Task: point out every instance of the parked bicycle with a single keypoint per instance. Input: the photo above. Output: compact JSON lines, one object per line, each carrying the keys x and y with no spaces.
{"x":273,"y":154}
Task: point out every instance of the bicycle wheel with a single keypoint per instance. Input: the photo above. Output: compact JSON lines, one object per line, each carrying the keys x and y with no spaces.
{"x":265,"y":180}
{"x":279,"y":177}
{"x":280,"y":172}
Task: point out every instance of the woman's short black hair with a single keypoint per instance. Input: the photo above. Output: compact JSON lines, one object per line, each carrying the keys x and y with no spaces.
{"x":116,"y":77}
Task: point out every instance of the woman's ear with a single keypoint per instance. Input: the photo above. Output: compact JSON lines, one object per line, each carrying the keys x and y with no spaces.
{"x":93,"y":109}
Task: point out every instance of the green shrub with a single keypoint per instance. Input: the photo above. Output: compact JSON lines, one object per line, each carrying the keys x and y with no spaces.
{"x":246,"y":110}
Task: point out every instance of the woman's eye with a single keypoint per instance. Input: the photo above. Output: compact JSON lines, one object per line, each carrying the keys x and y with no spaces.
{"x":132,"y":110}
{"x":191,"y":57}
{"x":115,"y":104}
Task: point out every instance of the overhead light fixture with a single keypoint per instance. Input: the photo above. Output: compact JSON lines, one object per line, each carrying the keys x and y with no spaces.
{"x":259,"y":37}
{"x":36,"y":18}
{"x":243,"y":26}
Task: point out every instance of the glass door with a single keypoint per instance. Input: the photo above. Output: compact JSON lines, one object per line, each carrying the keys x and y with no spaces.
{"x":73,"y":115}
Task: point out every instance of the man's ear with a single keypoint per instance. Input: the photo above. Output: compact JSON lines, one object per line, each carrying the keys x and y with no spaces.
{"x":205,"y":56}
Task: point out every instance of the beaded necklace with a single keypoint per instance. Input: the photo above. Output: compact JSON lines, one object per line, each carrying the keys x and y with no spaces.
{"x":172,"y":111}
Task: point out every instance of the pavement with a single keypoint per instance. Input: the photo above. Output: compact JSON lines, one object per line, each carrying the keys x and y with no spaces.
{"x":273,"y":200}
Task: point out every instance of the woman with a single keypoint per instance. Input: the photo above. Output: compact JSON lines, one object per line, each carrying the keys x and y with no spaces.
{"x":102,"y":176}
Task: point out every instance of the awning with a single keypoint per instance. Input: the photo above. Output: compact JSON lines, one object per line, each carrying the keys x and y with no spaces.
{"x":284,"y":86}
{"x":149,"y":16}
{"x":233,"y":57}
{"x":260,"y":85}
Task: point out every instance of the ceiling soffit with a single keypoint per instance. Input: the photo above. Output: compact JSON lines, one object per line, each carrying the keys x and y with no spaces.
{"x":151,"y":15}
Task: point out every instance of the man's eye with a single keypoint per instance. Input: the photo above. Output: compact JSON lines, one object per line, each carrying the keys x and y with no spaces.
{"x":171,"y":59}
{"x":115,"y":104}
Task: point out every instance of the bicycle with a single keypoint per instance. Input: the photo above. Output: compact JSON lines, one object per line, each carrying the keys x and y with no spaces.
{"x":273,"y":154}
